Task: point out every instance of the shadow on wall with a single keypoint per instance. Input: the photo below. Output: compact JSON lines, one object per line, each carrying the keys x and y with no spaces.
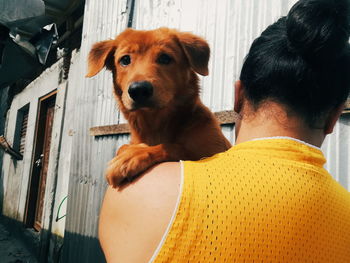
{"x":56,"y":252}
{"x":1,"y":182}
{"x":1,"y":179}
{"x":3,"y":110}
{"x":89,"y":249}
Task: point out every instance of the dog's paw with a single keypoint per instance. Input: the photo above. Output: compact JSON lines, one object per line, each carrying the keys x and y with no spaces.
{"x":129,"y":162}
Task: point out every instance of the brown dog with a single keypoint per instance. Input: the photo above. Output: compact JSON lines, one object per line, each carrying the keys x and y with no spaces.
{"x":156,"y":86}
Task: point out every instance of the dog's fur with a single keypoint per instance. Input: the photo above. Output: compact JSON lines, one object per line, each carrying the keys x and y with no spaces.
{"x":172,"y":124}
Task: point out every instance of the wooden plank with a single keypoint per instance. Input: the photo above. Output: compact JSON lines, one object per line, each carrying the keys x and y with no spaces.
{"x":48,"y":95}
{"x":49,"y":112}
{"x":110,"y":130}
{"x":227,"y":117}
{"x":35,"y":177}
{"x":224,"y":117}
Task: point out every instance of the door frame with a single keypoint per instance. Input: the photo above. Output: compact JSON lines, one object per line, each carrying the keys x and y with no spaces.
{"x":31,"y":200}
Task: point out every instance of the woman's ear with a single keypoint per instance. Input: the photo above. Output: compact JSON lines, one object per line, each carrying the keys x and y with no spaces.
{"x":239,"y":96}
{"x":196,"y":50}
{"x":99,"y":56}
{"x":332,"y":119}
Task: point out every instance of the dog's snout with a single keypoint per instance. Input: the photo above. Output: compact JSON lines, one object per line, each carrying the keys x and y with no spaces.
{"x":140,"y":91}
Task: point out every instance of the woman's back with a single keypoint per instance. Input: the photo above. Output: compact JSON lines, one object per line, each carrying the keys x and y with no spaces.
{"x":266,"y":200}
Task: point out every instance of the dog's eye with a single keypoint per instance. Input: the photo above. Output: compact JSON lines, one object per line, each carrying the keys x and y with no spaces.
{"x":125,"y":60}
{"x":164,"y":59}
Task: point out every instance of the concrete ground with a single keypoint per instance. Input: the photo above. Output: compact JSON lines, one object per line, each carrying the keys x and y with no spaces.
{"x":12,"y":250}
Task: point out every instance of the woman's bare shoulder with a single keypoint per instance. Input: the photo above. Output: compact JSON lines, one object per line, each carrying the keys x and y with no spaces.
{"x":161,"y":179}
{"x":140,"y":209}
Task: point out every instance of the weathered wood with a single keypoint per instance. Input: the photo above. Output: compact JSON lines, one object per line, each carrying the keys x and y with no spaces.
{"x":224,"y":117}
{"x":110,"y":130}
{"x":227,"y":117}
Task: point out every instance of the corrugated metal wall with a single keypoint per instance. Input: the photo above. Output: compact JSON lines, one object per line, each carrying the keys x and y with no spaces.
{"x":229,"y":26}
{"x":94,"y":106}
{"x":336,"y":149}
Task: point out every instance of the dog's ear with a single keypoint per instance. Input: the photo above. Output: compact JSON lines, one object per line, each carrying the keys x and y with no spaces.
{"x":100,"y":55}
{"x":197,"y":52}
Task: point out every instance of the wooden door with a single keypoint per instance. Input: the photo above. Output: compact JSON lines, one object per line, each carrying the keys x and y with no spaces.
{"x":36,"y":197}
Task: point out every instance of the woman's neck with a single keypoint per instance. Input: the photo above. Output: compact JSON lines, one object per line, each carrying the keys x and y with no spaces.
{"x":272,"y":120}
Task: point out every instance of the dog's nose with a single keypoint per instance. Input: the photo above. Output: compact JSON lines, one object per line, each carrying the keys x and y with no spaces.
{"x":140,"y":91}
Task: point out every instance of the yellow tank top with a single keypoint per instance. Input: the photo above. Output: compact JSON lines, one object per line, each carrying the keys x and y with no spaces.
{"x":261,"y":201}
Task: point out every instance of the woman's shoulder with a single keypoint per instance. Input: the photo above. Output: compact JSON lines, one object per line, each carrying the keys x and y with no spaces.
{"x":161,"y":179}
{"x":144,"y":206}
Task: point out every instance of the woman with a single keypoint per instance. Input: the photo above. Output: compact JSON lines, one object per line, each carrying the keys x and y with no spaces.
{"x":267,"y":199}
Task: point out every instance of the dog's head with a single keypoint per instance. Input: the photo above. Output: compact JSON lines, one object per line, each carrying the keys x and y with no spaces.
{"x":151,"y":68}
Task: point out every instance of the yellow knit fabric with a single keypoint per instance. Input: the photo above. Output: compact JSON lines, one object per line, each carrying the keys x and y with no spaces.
{"x":262,"y":201}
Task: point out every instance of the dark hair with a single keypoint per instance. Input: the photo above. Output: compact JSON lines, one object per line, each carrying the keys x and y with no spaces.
{"x":302,"y":60}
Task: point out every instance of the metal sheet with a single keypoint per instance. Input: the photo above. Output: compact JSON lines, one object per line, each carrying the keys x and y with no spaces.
{"x":336,"y":149}
{"x":94,"y":106}
{"x":228,"y":26}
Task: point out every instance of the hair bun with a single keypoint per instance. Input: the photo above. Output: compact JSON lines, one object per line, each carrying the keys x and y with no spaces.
{"x":318,"y":29}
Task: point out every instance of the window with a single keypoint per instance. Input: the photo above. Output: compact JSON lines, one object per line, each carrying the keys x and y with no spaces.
{"x":21,"y":129}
